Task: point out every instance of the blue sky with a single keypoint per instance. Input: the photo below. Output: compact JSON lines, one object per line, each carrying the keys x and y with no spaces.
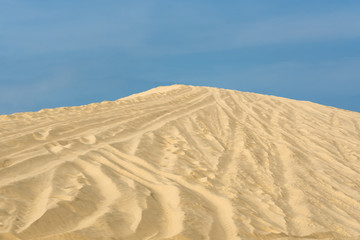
{"x":67,"y":53}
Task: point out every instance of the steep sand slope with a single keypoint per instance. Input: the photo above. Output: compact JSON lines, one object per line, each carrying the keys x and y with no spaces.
{"x":181,"y":163}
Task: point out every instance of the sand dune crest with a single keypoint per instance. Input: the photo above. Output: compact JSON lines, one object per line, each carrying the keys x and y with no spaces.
{"x":181,"y":163}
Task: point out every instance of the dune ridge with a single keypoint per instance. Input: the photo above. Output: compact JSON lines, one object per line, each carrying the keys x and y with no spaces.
{"x":181,"y":162}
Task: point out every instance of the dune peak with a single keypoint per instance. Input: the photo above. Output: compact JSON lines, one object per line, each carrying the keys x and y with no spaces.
{"x":181,"y":162}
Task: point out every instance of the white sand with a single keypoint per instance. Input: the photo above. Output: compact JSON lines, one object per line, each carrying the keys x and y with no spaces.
{"x":181,"y":163}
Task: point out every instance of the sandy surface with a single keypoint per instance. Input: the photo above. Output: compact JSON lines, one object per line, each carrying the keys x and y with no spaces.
{"x":181,"y":163}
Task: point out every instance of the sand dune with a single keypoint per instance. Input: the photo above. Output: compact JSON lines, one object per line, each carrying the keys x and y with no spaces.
{"x":181,"y":163}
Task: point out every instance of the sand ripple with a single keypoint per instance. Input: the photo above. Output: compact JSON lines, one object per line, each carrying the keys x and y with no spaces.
{"x":181,"y":163}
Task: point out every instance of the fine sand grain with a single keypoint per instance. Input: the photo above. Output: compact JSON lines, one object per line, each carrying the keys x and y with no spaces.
{"x":181,"y":163}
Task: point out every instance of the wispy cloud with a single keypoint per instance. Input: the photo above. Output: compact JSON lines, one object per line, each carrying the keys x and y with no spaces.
{"x":245,"y":45}
{"x":287,"y":29}
{"x":295,"y":29}
{"x":72,"y":26}
{"x":157,"y":28}
{"x":27,"y":96}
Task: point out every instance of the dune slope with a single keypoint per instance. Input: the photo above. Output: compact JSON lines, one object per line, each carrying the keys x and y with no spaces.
{"x":181,"y":163}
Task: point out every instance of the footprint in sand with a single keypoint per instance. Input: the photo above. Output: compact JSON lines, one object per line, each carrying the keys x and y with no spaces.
{"x":88,"y":139}
{"x":5,"y":163}
{"x":7,"y":210}
{"x":41,"y":135}
{"x":66,"y":144}
{"x":54,"y":148}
